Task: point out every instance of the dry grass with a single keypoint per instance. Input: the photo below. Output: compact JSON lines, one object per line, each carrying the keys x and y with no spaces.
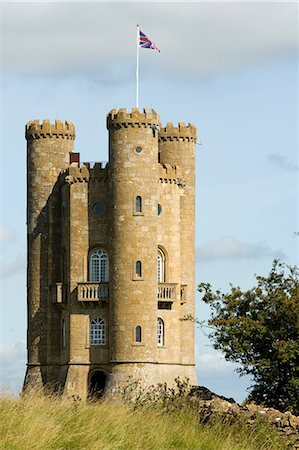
{"x":51,"y":423}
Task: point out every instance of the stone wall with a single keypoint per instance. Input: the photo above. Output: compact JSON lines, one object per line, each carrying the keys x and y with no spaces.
{"x":211,"y":405}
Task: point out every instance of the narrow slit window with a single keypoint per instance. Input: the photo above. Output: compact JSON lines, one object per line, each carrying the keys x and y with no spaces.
{"x":138,"y":333}
{"x":160,"y":266}
{"x":138,"y":204}
{"x":63,"y":334}
{"x":138,"y":269}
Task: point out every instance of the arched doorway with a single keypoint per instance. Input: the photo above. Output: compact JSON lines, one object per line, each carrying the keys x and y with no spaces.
{"x":97,"y":382}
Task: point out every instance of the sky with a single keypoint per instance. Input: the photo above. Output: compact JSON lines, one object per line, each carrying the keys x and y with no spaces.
{"x":229,"y":68}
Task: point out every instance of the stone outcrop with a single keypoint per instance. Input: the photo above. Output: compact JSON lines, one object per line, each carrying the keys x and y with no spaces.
{"x":211,"y":405}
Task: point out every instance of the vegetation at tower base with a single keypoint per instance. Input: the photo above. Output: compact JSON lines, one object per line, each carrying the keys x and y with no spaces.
{"x":43,"y":422}
{"x":259,"y":330}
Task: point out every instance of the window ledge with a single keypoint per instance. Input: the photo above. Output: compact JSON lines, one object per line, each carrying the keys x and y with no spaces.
{"x":97,"y":346}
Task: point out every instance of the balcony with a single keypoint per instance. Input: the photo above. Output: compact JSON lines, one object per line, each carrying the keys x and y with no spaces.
{"x":167,"y":292}
{"x":92,"y":292}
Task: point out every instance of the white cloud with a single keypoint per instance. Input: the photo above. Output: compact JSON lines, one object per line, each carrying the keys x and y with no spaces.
{"x":98,"y":39}
{"x":12,"y":366}
{"x":215,"y":362}
{"x":220,"y":376}
{"x":227,"y":247}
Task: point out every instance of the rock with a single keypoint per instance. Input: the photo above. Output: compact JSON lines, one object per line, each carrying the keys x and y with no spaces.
{"x":211,"y":405}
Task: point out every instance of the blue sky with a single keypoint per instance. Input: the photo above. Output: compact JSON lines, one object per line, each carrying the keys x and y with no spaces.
{"x":229,"y":68}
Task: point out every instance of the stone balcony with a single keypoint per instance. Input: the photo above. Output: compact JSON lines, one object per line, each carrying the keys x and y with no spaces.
{"x":92,"y":292}
{"x":95,"y":292}
{"x":167,"y":292}
{"x":170,"y":292}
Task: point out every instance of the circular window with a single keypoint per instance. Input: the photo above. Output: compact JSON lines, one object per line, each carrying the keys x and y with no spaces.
{"x":159,"y":209}
{"x":138,"y":150}
{"x":98,"y":209}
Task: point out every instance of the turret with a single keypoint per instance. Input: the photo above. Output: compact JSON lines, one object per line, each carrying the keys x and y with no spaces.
{"x":177,"y":148}
{"x":48,"y":149}
{"x":133,"y":174}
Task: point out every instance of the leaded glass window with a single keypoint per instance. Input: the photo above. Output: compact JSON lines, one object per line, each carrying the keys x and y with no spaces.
{"x":161,"y":267}
{"x":97,"y":331}
{"x":99,"y":267}
{"x":160,"y":331}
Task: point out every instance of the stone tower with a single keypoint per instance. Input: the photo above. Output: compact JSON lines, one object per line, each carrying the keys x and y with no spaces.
{"x":110,"y":256}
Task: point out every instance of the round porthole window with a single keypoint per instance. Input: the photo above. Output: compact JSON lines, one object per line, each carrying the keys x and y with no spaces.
{"x":138,"y":150}
{"x":159,"y":209}
{"x":98,"y":209}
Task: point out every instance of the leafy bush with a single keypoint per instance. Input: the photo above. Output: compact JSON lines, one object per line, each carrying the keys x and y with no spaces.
{"x":259,"y":329}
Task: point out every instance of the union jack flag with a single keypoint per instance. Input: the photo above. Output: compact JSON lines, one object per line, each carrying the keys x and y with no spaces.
{"x":146,"y":42}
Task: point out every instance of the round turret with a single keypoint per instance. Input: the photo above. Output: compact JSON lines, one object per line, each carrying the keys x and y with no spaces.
{"x":48,"y":149}
{"x":177,"y":148}
{"x":133,"y":169}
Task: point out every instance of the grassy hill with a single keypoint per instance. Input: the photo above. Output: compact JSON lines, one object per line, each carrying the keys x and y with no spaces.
{"x":52,"y":423}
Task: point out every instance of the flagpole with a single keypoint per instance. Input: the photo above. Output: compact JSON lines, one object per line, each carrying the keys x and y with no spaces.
{"x":137,"y":68}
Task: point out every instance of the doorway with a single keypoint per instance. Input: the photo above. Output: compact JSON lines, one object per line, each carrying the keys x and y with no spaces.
{"x":97,"y":383}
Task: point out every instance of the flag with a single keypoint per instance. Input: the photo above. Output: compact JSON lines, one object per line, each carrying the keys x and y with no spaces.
{"x":146,"y":42}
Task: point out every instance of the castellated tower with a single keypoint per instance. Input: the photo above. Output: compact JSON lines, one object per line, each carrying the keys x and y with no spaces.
{"x":48,"y":150}
{"x":110,"y":256}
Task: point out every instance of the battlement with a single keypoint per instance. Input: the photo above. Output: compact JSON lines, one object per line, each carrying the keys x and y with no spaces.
{"x":36,"y":130}
{"x":170,"y":174}
{"x":122,"y":118}
{"x":99,"y":171}
{"x":182,"y":132}
{"x":76,"y":174}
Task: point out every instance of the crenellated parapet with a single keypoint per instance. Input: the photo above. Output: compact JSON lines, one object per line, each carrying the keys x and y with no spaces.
{"x":75,"y":174}
{"x":36,"y":130}
{"x":182,"y":132}
{"x":99,"y":172}
{"x":124,"y":119}
{"x":170,"y":174}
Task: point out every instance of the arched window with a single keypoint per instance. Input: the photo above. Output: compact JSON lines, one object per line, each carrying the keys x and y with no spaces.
{"x":138,"y":204}
{"x":160,"y":331}
{"x":97,"y":331}
{"x":138,"y":333}
{"x":98,"y":266}
{"x":161,"y":266}
{"x":138,"y":269}
{"x":63,"y":334}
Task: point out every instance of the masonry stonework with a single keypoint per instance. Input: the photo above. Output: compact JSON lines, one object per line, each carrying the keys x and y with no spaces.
{"x":110,"y":256}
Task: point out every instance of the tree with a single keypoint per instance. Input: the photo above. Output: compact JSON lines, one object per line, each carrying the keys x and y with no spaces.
{"x":259,"y":330}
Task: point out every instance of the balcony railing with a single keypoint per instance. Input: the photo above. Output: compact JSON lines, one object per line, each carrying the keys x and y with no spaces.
{"x":167,"y":291}
{"x":93,"y":292}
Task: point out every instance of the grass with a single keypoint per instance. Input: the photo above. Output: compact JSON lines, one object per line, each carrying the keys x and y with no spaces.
{"x":51,"y":423}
